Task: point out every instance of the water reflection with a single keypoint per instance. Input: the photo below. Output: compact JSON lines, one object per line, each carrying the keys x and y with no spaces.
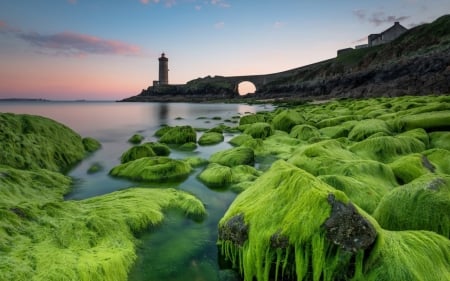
{"x":179,"y":249}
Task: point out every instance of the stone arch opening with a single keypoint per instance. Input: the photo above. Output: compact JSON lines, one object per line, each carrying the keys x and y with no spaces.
{"x":246,"y":87}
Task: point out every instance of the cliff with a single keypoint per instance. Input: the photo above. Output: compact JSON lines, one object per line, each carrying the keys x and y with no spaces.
{"x":416,"y":63}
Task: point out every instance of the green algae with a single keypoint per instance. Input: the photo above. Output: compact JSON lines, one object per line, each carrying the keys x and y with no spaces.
{"x":189,"y":146}
{"x":161,"y":131}
{"x":430,"y":121}
{"x":386,"y":148}
{"x":305,"y":132}
{"x":136,"y":152}
{"x":136,"y":139}
{"x":252,"y":118}
{"x":95,"y":168}
{"x":422,"y":204}
{"x":234,"y":156}
{"x":43,"y":237}
{"x":411,"y":167}
{"x":238,"y":178}
{"x":210,"y":138}
{"x":196,"y":161}
{"x":33,"y":142}
{"x":179,"y":135}
{"x":216,"y":176}
{"x":259,"y":130}
{"x":160,"y":149}
{"x":440,"y":140}
{"x":408,"y":255}
{"x":240,"y":139}
{"x":365,"y":128}
{"x":153,"y":169}
{"x":439,"y":159}
{"x":91,"y":144}
{"x":279,"y":227}
{"x":286,"y":120}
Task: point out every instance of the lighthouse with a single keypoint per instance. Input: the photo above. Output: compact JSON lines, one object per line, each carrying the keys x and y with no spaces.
{"x":163,"y":70}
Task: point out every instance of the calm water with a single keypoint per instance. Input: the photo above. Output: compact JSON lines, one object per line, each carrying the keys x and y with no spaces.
{"x":179,"y":249}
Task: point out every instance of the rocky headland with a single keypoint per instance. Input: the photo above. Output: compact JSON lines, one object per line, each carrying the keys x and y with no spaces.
{"x":416,"y":63}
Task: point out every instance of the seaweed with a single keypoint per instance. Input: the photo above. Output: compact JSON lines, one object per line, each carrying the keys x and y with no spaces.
{"x":259,"y":130}
{"x":210,"y":138}
{"x":179,"y":135}
{"x":153,"y":169}
{"x":234,"y":156}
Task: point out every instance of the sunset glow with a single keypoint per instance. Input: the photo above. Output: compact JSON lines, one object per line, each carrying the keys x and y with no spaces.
{"x":75,"y":49}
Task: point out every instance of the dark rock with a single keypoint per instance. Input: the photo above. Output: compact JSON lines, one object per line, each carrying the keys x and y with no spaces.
{"x":427,"y":164}
{"x":234,"y":230}
{"x":347,"y":228}
{"x":435,"y":184}
{"x":279,"y":241}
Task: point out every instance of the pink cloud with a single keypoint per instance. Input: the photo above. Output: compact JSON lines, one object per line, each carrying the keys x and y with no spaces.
{"x":70,"y":43}
{"x":6,"y":28}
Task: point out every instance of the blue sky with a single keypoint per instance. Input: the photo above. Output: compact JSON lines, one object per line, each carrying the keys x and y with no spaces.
{"x":98,"y":49}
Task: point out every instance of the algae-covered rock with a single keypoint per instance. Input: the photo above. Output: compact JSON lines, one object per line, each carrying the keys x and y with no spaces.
{"x":286,"y":120}
{"x":422,"y":204}
{"x":89,"y":239}
{"x":252,"y":118}
{"x":136,"y":139}
{"x":259,"y":130}
{"x":234,"y":156}
{"x":440,"y":140}
{"x":305,"y":132}
{"x":91,"y":144}
{"x":179,"y":135}
{"x":160,"y":149}
{"x":154,"y":169}
{"x":33,"y":142}
{"x":189,"y":146}
{"x":365,"y":128}
{"x":240,"y":139}
{"x":196,"y":161}
{"x":216,"y":175}
{"x":136,"y":152}
{"x":161,"y":131}
{"x":95,"y":168}
{"x":288,"y":222}
{"x":430,"y":121}
{"x":210,"y":138}
{"x":411,"y":167}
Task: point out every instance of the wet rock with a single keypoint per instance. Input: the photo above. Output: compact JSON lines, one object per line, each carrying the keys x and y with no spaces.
{"x":347,"y":228}
{"x":234,"y":230}
{"x":279,"y":241}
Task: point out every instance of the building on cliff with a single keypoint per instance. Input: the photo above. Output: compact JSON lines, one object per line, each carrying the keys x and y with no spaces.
{"x":388,"y":35}
{"x":163,"y":71}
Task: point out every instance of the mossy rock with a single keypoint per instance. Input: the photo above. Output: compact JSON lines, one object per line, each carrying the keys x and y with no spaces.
{"x":161,"y":131}
{"x":252,"y":118}
{"x":216,"y":176}
{"x":293,"y":222}
{"x":335,"y":121}
{"x":153,"y":169}
{"x":286,"y":120}
{"x":240,"y":139}
{"x":386,"y":149}
{"x":365,"y":128}
{"x":411,"y":167}
{"x":430,"y":121}
{"x":160,"y":149}
{"x":88,"y":239}
{"x":136,"y":139}
{"x":136,"y":152}
{"x":179,"y":135}
{"x":422,"y":204}
{"x":234,"y":156}
{"x":210,"y":138}
{"x":95,"y":168}
{"x":189,"y":146}
{"x":439,"y":158}
{"x":259,"y":130}
{"x":33,"y":142}
{"x":305,"y":132}
{"x":91,"y":144}
{"x":196,"y":161}
{"x":440,"y":140}
{"x":338,"y":131}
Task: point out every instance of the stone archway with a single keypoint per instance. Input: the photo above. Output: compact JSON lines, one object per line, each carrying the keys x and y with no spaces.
{"x":245,"y":87}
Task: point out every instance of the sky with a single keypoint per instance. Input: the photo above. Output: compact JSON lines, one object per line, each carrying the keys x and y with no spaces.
{"x":109,"y":49}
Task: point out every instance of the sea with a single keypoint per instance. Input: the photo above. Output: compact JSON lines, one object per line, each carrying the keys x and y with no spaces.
{"x":179,"y":249}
